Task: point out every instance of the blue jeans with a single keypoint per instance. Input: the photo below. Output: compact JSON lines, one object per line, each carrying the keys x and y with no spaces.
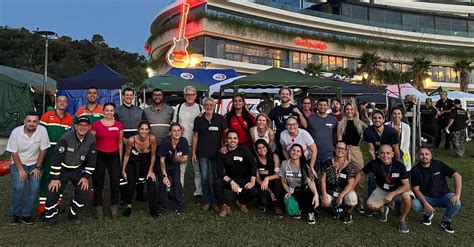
{"x":438,"y":202}
{"x":208,"y":168}
{"x":18,"y":207}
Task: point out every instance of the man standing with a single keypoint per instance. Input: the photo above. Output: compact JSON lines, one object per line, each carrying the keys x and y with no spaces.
{"x":93,"y":110}
{"x":184,"y":114}
{"x":322,"y":127}
{"x":456,"y":127}
{"x":73,"y":160}
{"x":208,"y":130}
{"x":392,"y":185}
{"x":28,"y":145}
{"x":57,"y":122}
{"x":130,"y":116}
{"x":336,"y":109}
{"x":266,"y":104}
{"x":429,"y":183}
{"x":378,"y":134}
{"x":444,"y":105}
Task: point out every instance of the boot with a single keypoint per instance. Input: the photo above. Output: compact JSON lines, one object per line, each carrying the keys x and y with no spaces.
{"x":114,"y":210}
{"x":98,"y":212}
{"x":225,"y":210}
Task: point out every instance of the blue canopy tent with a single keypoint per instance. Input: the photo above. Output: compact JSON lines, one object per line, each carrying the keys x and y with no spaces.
{"x":108,"y":81}
{"x":205,"y":76}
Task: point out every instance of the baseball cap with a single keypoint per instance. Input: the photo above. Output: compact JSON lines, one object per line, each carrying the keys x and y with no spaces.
{"x":83,"y":119}
{"x":379,"y":112}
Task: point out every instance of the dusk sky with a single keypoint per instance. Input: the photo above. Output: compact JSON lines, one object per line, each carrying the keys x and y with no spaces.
{"x":123,"y":23}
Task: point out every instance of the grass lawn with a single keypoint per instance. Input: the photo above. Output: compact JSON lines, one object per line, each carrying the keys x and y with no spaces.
{"x":196,"y":227}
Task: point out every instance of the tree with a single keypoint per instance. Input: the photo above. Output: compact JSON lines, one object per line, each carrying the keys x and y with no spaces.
{"x":463,"y":67}
{"x":419,"y":70}
{"x":314,"y":69}
{"x":369,"y":62}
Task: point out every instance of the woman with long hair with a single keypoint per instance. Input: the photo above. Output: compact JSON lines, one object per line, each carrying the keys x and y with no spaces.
{"x":299,"y":181}
{"x":307,"y":106}
{"x":140,"y":153}
{"x":263,"y":131}
{"x":109,"y":138}
{"x":404,"y":133}
{"x":240,"y":120}
{"x":268,"y":166}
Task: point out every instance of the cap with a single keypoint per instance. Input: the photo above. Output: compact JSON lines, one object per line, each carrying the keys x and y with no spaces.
{"x":83,"y":119}
{"x":379,"y":112}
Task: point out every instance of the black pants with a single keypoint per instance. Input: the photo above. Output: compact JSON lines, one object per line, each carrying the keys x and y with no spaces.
{"x":110,"y":162}
{"x":124,"y":184}
{"x":52,"y":198}
{"x":136,"y":176}
{"x":174,"y":175}
{"x":243,"y":197}
{"x":264,"y":198}
{"x":304,"y":197}
{"x":431,"y":133}
{"x":447,"y":141}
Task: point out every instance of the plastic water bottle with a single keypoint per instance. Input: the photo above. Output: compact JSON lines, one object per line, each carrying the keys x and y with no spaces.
{"x":168,"y":188}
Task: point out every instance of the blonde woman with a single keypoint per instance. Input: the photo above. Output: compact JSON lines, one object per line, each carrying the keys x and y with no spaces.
{"x":263,"y":131}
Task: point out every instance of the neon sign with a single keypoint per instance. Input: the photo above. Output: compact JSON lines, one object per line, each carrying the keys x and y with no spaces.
{"x":312,"y":44}
{"x":178,"y":56}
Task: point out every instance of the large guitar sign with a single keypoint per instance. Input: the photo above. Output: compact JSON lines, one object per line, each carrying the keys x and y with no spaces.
{"x":178,"y":56}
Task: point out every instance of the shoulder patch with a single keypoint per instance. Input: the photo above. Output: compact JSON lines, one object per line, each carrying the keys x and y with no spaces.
{"x":61,"y":149}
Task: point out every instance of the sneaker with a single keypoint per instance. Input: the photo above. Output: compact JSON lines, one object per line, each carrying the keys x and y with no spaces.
{"x":403,"y":227}
{"x":311,"y":219}
{"x":278,"y":212}
{"x":297,"y":216}
{"x":27,"y":220}
{"x":14,"y":220}
{"x":243,"y":208}
{"x":446,"y":225}
{"x":361,"y":209}
{"x":347,"y":218}
{"x":427,"y":219}
{"x":263,"y":209}
{"x":384,"y":215}
{"x":197,"y":199}
{"x":369,"y":213}
{"x":206,"y":206}
{"x":127,"y":212}
{"x":224,"y":211}
{"x":179,"y":211}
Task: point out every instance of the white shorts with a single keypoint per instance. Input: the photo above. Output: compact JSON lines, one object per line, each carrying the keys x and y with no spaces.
{"x":376,"y":199}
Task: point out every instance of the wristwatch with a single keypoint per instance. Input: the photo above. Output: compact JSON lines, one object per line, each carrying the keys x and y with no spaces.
{"x":164,"y":175}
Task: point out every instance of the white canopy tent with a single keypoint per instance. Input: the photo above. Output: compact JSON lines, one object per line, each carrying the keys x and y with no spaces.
{"x":405,"y":89}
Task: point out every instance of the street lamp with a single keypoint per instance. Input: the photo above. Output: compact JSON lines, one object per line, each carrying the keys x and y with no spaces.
{"x":46,"y":35}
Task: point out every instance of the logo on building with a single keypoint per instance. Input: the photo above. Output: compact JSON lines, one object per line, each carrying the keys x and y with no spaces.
{"x":187,"y":76}
{"x":219,"y":77}
{"x":312,"y":44}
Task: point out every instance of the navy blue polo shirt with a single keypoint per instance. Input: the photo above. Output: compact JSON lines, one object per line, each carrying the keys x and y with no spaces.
{"x":389,"y":136}
{"x":209,"y":135}
{"x":166,"y":149}
{"x":432,"y":180}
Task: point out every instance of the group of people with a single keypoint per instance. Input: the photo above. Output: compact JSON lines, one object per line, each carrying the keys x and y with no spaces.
{"x":290,"y":160}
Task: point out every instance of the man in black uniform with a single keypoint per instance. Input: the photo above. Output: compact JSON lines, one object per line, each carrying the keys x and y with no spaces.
{"x":457,"y":124}
{"x":444,"y":105}
{"x":237,"y":171}
{"x":73,"y":160}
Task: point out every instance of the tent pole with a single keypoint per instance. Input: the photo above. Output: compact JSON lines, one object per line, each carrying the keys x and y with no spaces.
{"x":144,"y":97}
{"x":120,"y":96}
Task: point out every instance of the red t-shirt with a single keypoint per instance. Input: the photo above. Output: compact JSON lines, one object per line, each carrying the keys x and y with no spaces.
{"x":107,"y":137}
{"x":244,"y":133}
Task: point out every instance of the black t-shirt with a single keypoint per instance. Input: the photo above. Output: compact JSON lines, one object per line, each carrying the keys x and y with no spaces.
{"x":238,"y":164}
{"x":336,"y":181}
{"x":209,"y":133}
{"x":444,"y":106}
{"x":279,"y":115}
{"x":166,"y":149}
{"x":265,"y":170}
{"x":389,"y":136}
{"x":428,"y":117}
{"x":351,"y":136}
{"x":460,"y":118}
{"x":432,"y":180}
{"x":387,"y":177}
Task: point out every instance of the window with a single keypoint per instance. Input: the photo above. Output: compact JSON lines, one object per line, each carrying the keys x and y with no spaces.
{"x":296,"y":60}
{"x":385,"y":16}
{"x":325,"y":62}
{"x":414,"y":22}
{"x":355,"y":11}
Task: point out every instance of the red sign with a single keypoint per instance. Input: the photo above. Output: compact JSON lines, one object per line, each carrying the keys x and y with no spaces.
{"x":312,"y":44}
{"x":177,"y":56}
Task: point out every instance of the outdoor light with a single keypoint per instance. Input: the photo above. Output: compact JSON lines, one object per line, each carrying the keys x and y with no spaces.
{"x":150,"y":72}
{"x":428,"y":82}
{"x":194,"y":61}
{"x":47,"y":35}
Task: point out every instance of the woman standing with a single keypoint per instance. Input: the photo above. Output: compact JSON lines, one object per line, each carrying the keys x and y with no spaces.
{"x":298,"y":181}
{"x":109,"y":135}
{"x":404,"y":133}
{"x":240,"y":120}
{"x":429,"y":118}
{"x":139,"y":155}
{"x":350,"y":131}
{"x":263,"y":131}
{"x":268,"y":166}
{"x":307,"y":106}
{"x":173,"y":151}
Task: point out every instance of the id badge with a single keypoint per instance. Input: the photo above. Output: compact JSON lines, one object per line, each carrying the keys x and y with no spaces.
{"x":386,"y":186}
{"x":342,"y":175}
{"x":395,"y":175}
{"x":213,"y":128}
{"x":238,"y":158}
{"x":335,"y":194}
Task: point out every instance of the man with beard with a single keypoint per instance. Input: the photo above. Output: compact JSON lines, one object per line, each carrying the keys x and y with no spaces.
{"x":28,"y":145}
{"x":378,"y":134}
{"x":336,"y":109}
{"x":429,"y":183}
{"x":93,"y":110}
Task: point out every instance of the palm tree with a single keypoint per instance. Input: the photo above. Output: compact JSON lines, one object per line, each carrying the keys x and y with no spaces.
{"x":369,"y":62}
{"x":419,"y":70}
{"x":314,"y":69}
{"x":464,"y":68}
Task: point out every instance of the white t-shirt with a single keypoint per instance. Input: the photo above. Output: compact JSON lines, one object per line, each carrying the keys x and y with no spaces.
{"x":28,"y":148}
{"x":303,"y":138}
{"x":186,"y":119}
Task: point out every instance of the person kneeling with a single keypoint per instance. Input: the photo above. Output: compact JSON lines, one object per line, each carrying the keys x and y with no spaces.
{"x":299,"y":182}
{"x":392,"y":185}
{"x":337,"y":184}
{"x":237,"y":171}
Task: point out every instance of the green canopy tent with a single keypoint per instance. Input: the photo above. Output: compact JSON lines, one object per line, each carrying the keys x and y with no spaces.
{"x":276,"y":77}
{"x":15,"y":101}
